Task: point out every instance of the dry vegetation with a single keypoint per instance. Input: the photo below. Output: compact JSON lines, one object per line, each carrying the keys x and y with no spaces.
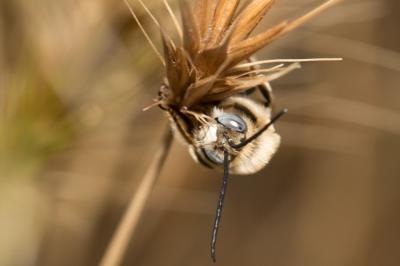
{"x":75,"y":145}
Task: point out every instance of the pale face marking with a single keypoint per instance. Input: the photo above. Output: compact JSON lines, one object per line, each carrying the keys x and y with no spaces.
{"x":211,"y":135}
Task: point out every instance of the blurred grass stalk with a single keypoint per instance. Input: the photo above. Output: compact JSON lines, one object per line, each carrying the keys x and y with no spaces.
{"x":125,"y":230}
{"x":58,"y":61}
{"x":33,"y":128}
{"x":34,"y":125}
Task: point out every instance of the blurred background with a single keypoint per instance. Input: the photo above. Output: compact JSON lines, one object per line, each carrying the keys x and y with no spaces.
{"x":74,"y":76}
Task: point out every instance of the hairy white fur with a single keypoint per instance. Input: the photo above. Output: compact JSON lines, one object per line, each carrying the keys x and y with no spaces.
{"x":253,"y":157}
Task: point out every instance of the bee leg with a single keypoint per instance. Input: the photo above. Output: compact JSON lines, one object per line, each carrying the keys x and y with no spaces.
{"x":248,"y":92}
{"x":266,"y":91}
{"x":181,"y":122}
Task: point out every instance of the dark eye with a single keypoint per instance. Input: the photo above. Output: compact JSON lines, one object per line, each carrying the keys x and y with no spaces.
{"x":213,"y":156}
{"x":232,"y":122}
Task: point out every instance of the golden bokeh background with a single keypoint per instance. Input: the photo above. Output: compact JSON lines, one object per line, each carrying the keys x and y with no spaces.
{"x":75,"y":145}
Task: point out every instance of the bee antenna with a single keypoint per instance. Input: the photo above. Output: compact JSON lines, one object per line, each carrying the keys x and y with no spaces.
{"x":256,"y":135}
{"x":220,"y":205}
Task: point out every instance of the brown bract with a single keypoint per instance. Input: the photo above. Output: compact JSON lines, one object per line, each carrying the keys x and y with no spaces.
{"x":216,"y":37}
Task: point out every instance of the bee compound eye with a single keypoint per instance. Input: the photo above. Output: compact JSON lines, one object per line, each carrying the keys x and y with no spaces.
{"x":232,"y":122}
{"x":213,"y":156}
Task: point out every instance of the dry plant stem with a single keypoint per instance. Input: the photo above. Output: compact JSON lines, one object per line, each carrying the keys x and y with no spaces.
{"x":150,"y":14}
{"x":271,"y":61}
{"x":125,"y":230}
{"x":300,"y":21}
{"x":174,"y":19}
{"x":144,"y":31}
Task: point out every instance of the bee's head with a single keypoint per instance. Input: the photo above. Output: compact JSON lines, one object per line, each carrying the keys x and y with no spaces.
{"x":226,"y":133}
{"x":218,"y":135}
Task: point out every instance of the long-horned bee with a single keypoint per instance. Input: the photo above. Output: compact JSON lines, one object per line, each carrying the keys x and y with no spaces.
{"x":211,"y":77}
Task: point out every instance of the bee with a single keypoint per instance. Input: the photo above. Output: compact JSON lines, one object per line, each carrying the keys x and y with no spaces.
{"x":211,"y":79}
